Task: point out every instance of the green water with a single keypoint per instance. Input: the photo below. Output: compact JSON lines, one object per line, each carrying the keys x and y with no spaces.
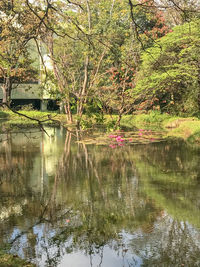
{"x":67,"y":204}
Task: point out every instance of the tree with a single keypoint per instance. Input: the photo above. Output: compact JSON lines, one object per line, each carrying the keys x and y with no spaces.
{"x":15,"y":59}
{"x":117,"y":95}
{"x":148,"y":24}
{"x":93,"y":34}
{"x":169,"y":76}
{"x":21,"y":23}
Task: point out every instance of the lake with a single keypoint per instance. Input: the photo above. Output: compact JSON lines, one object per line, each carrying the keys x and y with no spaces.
{"x":68,"y":203}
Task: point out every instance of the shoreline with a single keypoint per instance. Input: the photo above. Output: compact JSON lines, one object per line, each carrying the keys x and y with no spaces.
{"x":186,"y":128}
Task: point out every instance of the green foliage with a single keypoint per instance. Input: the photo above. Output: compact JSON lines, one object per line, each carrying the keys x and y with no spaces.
{"x":17,"y":24}
{"x":95,"y":46}
{"x":169,"y":73}
{"x":110,"y":125}
{"x":151,"y":120}
{"x":86,"y":123}
{"x":150,"y":22}
{"x":152,"y":117}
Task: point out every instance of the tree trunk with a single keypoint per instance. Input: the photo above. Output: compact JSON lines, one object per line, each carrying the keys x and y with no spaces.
{"x":68,"y":112}
{"x":83,"y":90}
{"x":82,"y":94}
{"x":198,"y":64}
{"x":7,"y":88}
{"x":60,"y":78}
{"x":118,"y":120}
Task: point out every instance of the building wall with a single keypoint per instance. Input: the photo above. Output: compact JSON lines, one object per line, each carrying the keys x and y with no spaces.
{"x":27,"y":91}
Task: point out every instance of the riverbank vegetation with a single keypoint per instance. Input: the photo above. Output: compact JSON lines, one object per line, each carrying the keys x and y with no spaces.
{"x":187,"y":128}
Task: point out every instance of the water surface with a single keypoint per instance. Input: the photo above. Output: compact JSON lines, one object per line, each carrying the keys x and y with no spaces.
{"x":64,"y":203}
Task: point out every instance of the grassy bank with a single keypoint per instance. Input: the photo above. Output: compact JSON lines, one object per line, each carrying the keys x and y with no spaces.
{"x":186,"y":128}
{"x":12,"y":118}
{"x":172,"y":126}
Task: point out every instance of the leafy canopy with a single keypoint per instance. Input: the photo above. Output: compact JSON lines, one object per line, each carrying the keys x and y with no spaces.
{"x":169,"y":73}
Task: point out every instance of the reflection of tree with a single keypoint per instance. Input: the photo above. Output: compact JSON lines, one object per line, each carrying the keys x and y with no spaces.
{"x":103,"y":202}
{"x":94,"y":195}
{"x":16,"y":158}
{"x":98,"y":204}
{"x":20,"y":198}
{"x":168,"y":178}
{"x":172,"y":244}
{"x":16,"y":164}
{"x":174,"y":156}
{"x":63,"y":165}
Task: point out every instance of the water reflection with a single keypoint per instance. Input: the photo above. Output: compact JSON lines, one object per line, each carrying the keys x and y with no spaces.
{"x":64,"y":203}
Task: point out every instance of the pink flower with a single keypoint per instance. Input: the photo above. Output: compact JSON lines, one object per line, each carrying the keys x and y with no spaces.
{"x":140,"y":134}
{"x":120,"y":144}
{"x":130,"y":139}
{"x":119,"y":139}
{"x":112,"y":136}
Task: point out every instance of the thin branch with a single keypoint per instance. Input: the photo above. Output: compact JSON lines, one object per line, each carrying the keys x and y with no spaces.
{"x":41,"y":57}
{"x":76,"y":4}
{"x":42,"y":19}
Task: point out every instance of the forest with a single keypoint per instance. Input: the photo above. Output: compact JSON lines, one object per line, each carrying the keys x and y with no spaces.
{"x":104,"y":57}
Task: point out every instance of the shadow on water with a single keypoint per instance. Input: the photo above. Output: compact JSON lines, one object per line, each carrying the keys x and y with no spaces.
{"x":65,"y":203}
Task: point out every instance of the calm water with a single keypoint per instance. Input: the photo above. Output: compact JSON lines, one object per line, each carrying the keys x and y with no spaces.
{"x":66,"y":204}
